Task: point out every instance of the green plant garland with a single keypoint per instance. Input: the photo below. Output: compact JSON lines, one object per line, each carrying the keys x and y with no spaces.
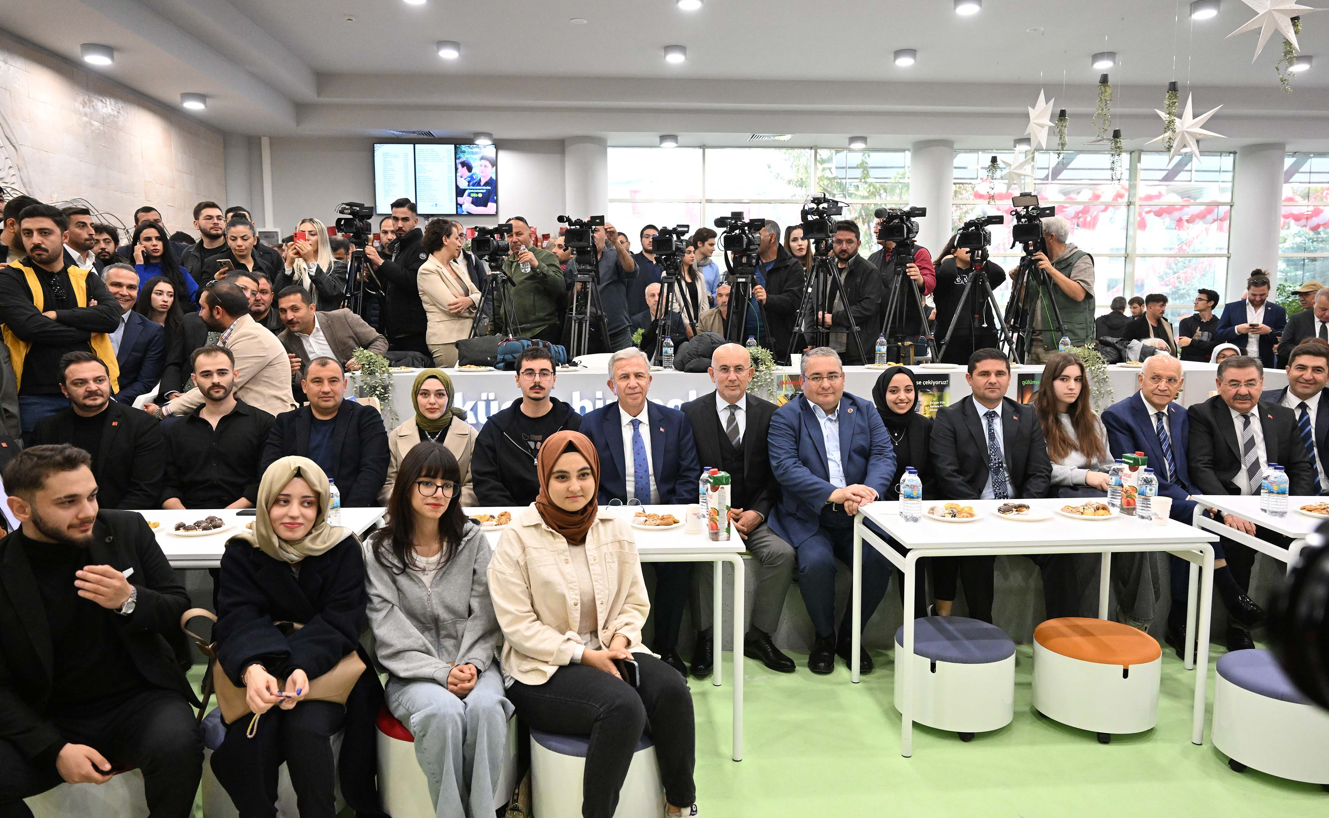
{"x":1170,"y":121}
{"x":992,"y":170}
{"x":1284,"y":65}
{"x":374,"y":380}
{"x":1115,"y":153}
{"x":1096,"y":373}
{"x":1063,"y":127}
{"x":1103,"y":112}
{"x":764,"y":372}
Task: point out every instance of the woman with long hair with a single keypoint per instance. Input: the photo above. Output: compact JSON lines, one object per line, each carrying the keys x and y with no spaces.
{"x":310,"y":264}
{"x":241,"y":239}
{"x":290,"y":608}
{"x":436,"y":420}
{"x":798,"y":247}
{"x":450,"y":297}
{"x":157,"y":303}
{"x":155,"y":257}
{"x":436,"y":635}
{"x":896,"y":397}
{"x":976,"y":326}
{"x":568,"y":592}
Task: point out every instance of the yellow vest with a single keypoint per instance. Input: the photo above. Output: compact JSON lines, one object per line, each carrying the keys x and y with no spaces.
{"x":100,"y":343}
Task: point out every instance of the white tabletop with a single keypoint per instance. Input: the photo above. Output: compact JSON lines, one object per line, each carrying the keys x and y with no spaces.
{"x":990,"y":531}
{"x":206,"y":550}
{"x":1295,"y":525}
{"x":649,"y":542}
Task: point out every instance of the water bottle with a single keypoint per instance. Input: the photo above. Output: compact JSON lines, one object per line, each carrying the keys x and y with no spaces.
{"x":1065,"y":344}
{"x":752,"y":342}
{"x":1278,"y":487}
{"x":882,"y":350}
{"x":1264,"y":489}
{"x":1144,"y":498}
{"x":703,"y":488}
{"x":1114,"y":483}
{"x":334,"y":503}
{"x":911,"y":495}
{"x":525,"y":268}
{"x":668,"y":355}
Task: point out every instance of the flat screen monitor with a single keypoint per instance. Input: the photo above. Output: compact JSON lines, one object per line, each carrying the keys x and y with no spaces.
{"x":394,"y":174}
{"x":442,"y":180}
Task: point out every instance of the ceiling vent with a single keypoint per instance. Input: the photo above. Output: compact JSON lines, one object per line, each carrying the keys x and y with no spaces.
{"x":416,"y":134}
{"x":770,"y":137}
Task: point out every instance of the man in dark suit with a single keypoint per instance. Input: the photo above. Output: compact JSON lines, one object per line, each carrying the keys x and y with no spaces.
{"x":648,"y":455}
{"x":310,"y":333}
{"x":88,"y":683}
{"x":127,"y":448}
{"x":990,"y":447}
{"x":1312,"y":322}
{"x":1255,"y":323}
{"x":1306,"y":395}
{"x":830,"y":454}
{"x":346,"y":439}
{"x":1234,"y":438}
{"x":140,"y":344}
{"x":730,"y":428}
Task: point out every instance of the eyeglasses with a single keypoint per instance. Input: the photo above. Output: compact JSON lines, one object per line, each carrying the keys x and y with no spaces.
{"x":537,"y":374}
{"x":735,"y":370}
{"x":1157,"y":379}
{"x":834,"y":377}
{"x":428,"y":488}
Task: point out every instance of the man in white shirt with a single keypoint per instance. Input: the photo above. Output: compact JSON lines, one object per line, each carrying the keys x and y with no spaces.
{"x":80,"y":240}
{"x":1306,"y":395}
{"x":1253,"y":324}
{"x":139,"y":344}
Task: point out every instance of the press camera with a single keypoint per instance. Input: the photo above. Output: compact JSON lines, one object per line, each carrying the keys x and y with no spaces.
{"x":491,"y":242}
{"x":898,"y":225}
{"x":740,"y":234}
{"x":580,"y":233}
{"x":974,"y":234}
{"x":356,"y":222}
{"x":670,"y":241}
{"x":819,"y":217}
{"x":1027,"y":222}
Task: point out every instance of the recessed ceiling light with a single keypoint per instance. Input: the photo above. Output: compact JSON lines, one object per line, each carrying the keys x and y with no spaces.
{"x":675,"y":53}
{"x":964,"y":8}
{"x":415,"y":2}
{"x":449,"y":49}
{"x":484,"y":138}
{"x":689,"y":5}
{"x":858,"y":143}
{"x":1204,"y":9}
{"x":669,"y":140}
{"x":906,"y":57}
{"x":1104,"y":60}
{"x":97,"y":54}
{"x":1299,"y":64}
{"x":1023,"y":144}
{"x":578,"y":21}
{"x":194,"y":102}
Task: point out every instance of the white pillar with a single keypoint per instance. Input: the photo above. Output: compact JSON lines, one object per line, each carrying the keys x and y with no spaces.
{"x":931,"y":185}
{"x":1257,"y":195}
{"x":586,"y":177}
{"x":236,"y":152}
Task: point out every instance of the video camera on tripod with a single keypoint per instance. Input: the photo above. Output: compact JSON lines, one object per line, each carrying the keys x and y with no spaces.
{"x":1027,"y":223}
{"x":669,"y":245}
{"x":819,"y":217}
{"x":975,"y":237}
{"x":355,"y":224}
{"x":1031,"y":287}
{"x":740,"y":243}
{"x":579,"y":237}
{"x":491,"y":243}
{"x":897,"y":225}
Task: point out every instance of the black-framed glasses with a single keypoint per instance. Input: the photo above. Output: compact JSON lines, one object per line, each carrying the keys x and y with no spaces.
{"x":537,"y":374}
{"x":428,"y":488}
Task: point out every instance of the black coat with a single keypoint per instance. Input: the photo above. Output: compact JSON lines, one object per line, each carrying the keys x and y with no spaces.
{"x":406,"y":312}
{"x":915,"y":449}
{"x":1299,"y":327}
{"x":763,"y":492}
{"x":1113,"y":325}
{"x":191,"y":335}
{"x":863,"y":294}
{"x":131,"y":460}
{"x":977,"y":313}
{"x":359,"y":443}
{"x":784,"y":293}
{"x":122,"y":540}
{"x":502,"y":468}
{"x":266,"y":261}
{"x":1275,"y":396}
{"x":1215,"y":450}
{"x":960,"y":452}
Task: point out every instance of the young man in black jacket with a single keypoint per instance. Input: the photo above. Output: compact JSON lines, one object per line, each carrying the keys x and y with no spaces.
{"x":88,"y":684}
{"x":211,"y":227}
{"x":778,"y":292}
{"x":861,"y":299}
{"x":405,"y":311}
{"x":503,"y":466}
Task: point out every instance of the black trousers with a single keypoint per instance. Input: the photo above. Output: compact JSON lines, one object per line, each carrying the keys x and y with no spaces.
{"x":248,"y":768}
{"x":415,"y":342}
{"x":582,"y":701}
{"x":673,"y":585}
{"x":1061,"y":586}
{"x":154,"y":731}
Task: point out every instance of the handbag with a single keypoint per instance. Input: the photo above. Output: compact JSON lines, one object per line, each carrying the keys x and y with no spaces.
{"x":481,"y":350}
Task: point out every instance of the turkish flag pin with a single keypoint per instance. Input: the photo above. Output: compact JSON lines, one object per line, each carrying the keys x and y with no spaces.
{"x":115,"y":423}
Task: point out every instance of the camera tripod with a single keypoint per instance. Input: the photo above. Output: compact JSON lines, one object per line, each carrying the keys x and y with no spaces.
{"x":358,"y":275}
{"x":497,"y":288}
{"x":741,"y":279}
{"x":901,"y":288}
{"x":671,"y":288}
{"x":978,"y":273}
{"x":818,"y":296}
{"x":585,"y":304}
{"x":1031,"y":288}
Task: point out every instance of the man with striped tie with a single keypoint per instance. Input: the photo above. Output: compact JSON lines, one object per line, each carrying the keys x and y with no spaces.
{"x":1234,"y":437}
{"x":1306,"y":395}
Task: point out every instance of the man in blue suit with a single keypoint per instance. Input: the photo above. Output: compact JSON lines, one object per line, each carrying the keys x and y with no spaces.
{"x":647,"y":454}
{"x":140,"y":344}
{"x":830,"y":453}
{"x":1254,"y":324}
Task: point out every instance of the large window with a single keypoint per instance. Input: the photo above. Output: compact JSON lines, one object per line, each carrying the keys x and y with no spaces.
{"x":1303,"y":247}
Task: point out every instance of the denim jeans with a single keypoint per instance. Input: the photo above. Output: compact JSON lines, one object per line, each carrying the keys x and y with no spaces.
{"x":32,"y":408}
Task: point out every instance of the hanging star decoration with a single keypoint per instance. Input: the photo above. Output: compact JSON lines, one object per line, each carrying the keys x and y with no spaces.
{"x":1040,"y":120}
{"x":1021,"y":169}
{"x":1271,"y":16}
{"x":1189,"y":128}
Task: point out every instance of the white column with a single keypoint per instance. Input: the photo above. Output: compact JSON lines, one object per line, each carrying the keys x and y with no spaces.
{"x":1257,"y":195}
{"x":586,"y":178}
{"x":931,"y":185}
{"x":236,"y":152}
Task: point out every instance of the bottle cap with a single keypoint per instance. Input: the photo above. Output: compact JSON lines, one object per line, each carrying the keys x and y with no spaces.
{"x":911,"y":469}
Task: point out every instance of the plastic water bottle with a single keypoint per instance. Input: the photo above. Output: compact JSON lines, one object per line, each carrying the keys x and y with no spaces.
{"x":1065,"y":344}
{"x":1278,"y":487}
{"x":668,"y":354}
{"x":1114,"y":483}
{"x":911,"y":495}
{"x":1144,"y":498}
{"x":1264,"y":488}
{"x":703,"y":487}
{"x":882,"y":350}
{"x":752,"y":342}
{"x":334,"y":503}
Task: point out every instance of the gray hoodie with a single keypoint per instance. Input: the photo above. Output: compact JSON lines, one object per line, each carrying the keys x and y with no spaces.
{"x":422,"y":632}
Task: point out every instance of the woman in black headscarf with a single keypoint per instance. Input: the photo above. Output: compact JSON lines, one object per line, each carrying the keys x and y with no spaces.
{"x":896,"y":397}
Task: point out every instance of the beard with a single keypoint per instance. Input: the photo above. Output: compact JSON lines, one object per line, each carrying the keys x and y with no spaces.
{"x":59,"y":535}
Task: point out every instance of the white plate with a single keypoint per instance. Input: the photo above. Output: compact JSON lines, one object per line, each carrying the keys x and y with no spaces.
{"x":1112,"y":516}
{"x":493,"y":526}
{"x":1132,"y":364}
{"x":879,"y":366}
{"x":645,"y":527}
{"x":1313,"y":514}
{"x":476,"y":369}
{"x":171,"y":530}
{"x":657,"y":369}
{"x":973,"y":519}
{"x":947,"y":367}
{"x":1033,"y":515}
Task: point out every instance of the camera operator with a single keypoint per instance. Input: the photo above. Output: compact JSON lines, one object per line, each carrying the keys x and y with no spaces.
{"x":861,"y":297}
{"x":536,"y":293}
{"x":778,"y":291}
{"x":406,"y":320}
{"x":648,"y":270}
{"x":1072,"y":273}
{"x":920,"y":269}
{"x":616,"y":270}
{"x":977,"y":327}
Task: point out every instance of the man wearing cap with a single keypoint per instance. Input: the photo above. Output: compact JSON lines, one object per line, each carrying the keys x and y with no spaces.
{"x":1311,"y":322}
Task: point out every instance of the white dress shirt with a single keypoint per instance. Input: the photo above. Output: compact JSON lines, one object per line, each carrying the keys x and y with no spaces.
{"x":830,"y":435}
{"x":740,"y":417}
{"x":119,"y":333}
{"x":316,"y":344}
{"x":1291,"y":401}
{"x":629,"y":472}
{"x":87,"y":261}
{"x":1237,"y":423}
{"x":988,"y":493}
{"x":1254,"y":317}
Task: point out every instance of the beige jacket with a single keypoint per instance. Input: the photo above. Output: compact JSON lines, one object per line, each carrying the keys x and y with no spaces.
{"x":262,"y":371}
{"x":440,"y":284}
{"x":534,"y":589}
{"x":460,"y":440}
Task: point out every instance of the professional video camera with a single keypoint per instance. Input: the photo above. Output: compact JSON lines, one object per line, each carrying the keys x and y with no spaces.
{"x":670,"y":241}
{"x":580,"y":233}
{"x":740,"y":234}
{"x":898,"y":225}
{"x":491,"y":242}
{"x":1027,"y":222}
{"x":819,"y":217}
{"x":356,"y":224}
{"x":974,"y":234}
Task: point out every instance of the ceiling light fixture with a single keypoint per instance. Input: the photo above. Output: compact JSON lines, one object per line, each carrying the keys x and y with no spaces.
{"x":578,"y":21}
{"x":669,"y":140}
{"x":858,"y":143}
{"x":449,"y":49}
{"x":675,"y":54}
{"x":906,"y":57}
{"x":1299,"y":64}
{"x":1023,"y":144}
{"x":97,"y":54}
{"x":689,"y":5}
{"x":1204,"y":9}
{"x":965,"y":8}
{"x":415,"y":2}
{"x":1104,"y":60}
{"x":194,"y":102}
{"x":484,"y":138}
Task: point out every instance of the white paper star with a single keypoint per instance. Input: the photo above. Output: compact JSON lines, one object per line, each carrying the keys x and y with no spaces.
{"x":1189,"y":127}
{"x":1040,"y":119}
{"x":1273,"y":15}
{"x":1022,"y":168}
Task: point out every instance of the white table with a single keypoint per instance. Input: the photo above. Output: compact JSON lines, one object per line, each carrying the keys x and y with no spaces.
{"x":1296,"y":525}
{"x":205,"y":551}
{"x":675,"y":545}
{"x":990,"y":536}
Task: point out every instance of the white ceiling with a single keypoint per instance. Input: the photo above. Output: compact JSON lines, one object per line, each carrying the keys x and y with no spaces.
{"x":818,"y":69}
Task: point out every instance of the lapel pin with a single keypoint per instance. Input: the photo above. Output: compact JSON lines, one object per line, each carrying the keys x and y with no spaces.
{"x":115,"y":423}
{"x":851,"y":410}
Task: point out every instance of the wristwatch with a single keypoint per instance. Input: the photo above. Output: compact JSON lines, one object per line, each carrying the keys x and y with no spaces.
{"x":128,"y":608}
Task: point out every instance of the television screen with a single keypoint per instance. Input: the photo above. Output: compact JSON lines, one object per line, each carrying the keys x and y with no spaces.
{"x":435,"y":184}
{"x":477,"y":179}
{"x":442,"y":180}
{"x":394,"y":174}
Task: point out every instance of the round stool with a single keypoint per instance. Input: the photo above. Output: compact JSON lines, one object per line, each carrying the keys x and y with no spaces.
{"x":964,"y":675}
{"x":217,"y":802}
{"x":557,"y":765}
{"x":122,"y":797}
{"x":1262,"y":720}
{"x":1097,"y":675}
{"x":402,"y":785}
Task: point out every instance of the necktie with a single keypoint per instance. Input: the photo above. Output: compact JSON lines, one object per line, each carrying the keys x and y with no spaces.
{"x":1250,"y":461}
{"x":1163,"y":439}
{"x":996,"y":464}
{"x":1324,"y":332}
{"x":1308,"y":440}
{"x":641,"y":469}
{"x":731,"y":426}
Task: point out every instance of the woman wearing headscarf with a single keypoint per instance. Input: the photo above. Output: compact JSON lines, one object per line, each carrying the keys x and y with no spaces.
{"x":436,"y":635}
{"x":290,"y":607}
{"x":1224,"y":351}
{"x":438,"y":421}
{"x":896,"y":397}
{"x":568,"y":592}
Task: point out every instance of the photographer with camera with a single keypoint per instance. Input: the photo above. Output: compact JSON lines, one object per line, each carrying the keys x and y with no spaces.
{"x":1071,"y":272}
{"x":777,"y":293}
{"x":537,"y":288}
{"x":975,"y":322}
{"x":908,"y":323}
{"x":406,"y":322}
{"x":861,"y":297}
{"x":616,"y":268}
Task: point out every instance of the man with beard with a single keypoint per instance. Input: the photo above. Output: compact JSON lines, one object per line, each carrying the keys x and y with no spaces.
{"x":260,"y":304}
{"x":105,"y":238}
{"x":861,"y":298}
{"x":80,"y":240}
{"x":405,"y":311}
{"x":128,"y":453}
{"x":89,"y":685}
{"x":214,"y":452}
{"x":210,"y":223}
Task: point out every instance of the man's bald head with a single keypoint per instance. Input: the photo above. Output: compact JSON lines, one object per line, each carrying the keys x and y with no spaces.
{"x":652,"y":297}
{"x":731,"y":370}
{"x":1160,"y":380}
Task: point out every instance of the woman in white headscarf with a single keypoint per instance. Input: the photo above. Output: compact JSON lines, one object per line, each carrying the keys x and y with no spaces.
{"x":1225,"y":351}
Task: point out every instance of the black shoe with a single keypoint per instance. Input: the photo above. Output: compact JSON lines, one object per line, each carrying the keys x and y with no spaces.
{"x":1175,"y":637}
{"x":671,"y":658}
{"x":703,"y":655}
{"x":842,"y":647}
{"x":822,"y":659}
{"x":1239,"y":639}
{"x":758,"y":645}
{"x":1244,"y":610}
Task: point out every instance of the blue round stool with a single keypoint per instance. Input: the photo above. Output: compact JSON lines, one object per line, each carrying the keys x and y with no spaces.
{"x":558,"y":763}
{"x":964,"y":675}
{"x":1261,"y":720}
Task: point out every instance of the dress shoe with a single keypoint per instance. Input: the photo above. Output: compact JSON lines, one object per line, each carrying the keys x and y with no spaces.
{"x":822,"y":658}
{"x":671,"y":658}
{"x":703,"y":655}
{"x":842,"y":647}
{"x":1239,"y":639}
{"x":1244,"y":610}
{"x":1176,"y":639}
{"x":758,"y":645}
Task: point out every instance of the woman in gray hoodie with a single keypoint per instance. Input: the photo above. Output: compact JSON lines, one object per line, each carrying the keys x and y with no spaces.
{"x":436,"y":633}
